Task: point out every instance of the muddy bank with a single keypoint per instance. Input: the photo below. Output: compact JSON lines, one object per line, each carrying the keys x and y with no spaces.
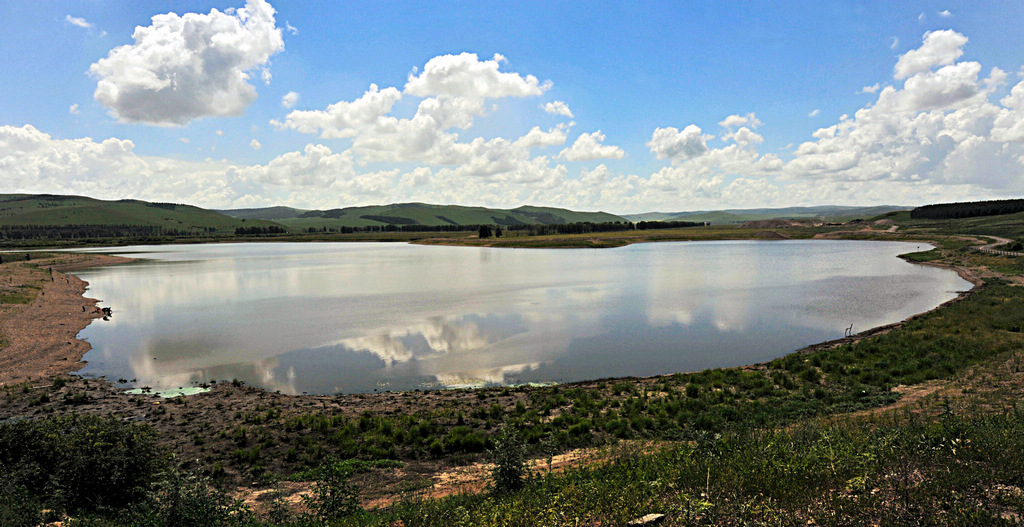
{"x":40,"y":335}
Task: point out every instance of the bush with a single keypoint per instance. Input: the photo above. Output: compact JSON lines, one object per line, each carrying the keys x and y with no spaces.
{"x":332,"y":496}
{"x":510,"y":462}
{"x":80,"y":463}
{"x":188,"y":501}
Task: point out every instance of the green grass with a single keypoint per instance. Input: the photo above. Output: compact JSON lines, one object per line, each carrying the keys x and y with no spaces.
{"x":22,"y":294}
{"x":425,"y":214}
{"x":22,"y":210}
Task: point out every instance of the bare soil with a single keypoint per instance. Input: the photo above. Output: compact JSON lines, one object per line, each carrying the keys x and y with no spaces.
{"x":41,"y":335}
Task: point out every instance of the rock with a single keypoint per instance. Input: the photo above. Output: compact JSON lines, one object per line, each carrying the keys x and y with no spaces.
{"x":648,"y":519}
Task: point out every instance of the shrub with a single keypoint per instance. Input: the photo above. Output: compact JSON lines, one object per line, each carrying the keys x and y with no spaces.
{"x":80,"y":463}
{"x":510,"y":462}
{"x":332,"y":496}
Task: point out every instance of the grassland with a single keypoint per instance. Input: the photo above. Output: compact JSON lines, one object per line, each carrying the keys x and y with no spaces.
{"x":41,"y":210}
{"x":421,"y":214}
{"x":917,"y":424}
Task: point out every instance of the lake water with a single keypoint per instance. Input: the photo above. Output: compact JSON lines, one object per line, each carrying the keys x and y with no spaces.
{"x":355,"y":317}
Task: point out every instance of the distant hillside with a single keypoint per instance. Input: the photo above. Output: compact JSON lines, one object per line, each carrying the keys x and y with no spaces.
{"x":420,"y":214}
{"x":266,"y":213}
{"x":93,"y":217}
{"x":970,"y":209}
{"x":825,"y":213}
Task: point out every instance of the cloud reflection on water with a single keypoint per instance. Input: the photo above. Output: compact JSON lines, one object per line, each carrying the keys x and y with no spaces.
{"x":358,"y":317}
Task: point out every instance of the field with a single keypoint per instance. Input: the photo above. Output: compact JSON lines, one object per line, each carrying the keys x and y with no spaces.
{"x":915,"y":423}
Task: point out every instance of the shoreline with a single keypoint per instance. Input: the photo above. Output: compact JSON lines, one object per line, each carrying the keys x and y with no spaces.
{"x":207,"y":424}
{"x":43,"y":336}
{"x":59,"y":320}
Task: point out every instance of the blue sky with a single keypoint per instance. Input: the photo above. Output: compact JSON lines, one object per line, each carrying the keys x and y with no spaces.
{"x":650,"y":106}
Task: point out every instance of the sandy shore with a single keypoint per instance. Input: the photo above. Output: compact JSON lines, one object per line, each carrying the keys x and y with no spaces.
{"x":40,"y":335}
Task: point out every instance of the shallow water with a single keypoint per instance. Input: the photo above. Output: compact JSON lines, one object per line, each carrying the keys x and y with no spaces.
{"x":356,"y":317}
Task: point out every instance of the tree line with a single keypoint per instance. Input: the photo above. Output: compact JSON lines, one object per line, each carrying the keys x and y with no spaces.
{"x":971,"y":209}
{"x":64,"y":232}
{"x":586,"y":227}
{"x":273,"y":229}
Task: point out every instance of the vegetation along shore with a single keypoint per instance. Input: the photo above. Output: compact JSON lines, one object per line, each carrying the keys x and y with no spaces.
{"x":915,"y":423}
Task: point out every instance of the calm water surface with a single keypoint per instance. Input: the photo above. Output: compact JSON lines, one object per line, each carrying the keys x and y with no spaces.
{"x":355,"y":317}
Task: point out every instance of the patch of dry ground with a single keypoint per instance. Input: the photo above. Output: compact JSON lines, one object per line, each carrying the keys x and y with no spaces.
{"x":41,"y":335}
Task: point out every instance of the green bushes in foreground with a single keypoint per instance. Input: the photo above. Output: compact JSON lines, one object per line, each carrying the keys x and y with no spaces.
{"x":77,"y":463}
{"x":962,"y":469}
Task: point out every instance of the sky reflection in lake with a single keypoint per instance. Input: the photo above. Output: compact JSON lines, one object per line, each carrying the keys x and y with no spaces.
{"x":354,"y":317}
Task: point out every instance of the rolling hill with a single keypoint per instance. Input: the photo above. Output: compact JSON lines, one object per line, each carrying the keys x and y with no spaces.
{"x":419,"y":214}
{"x":47,"y":210}
{"x":825,"y":213}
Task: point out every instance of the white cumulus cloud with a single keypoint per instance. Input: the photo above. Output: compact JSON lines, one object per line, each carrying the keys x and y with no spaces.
{"x":185,"y":67}
{"x":289,"y":99}
{"x":940,"y":48}
{"x":558,"y":108}
{"x":672,"y":143}
{"x":588,"y":147}
{"x":465,"y":75}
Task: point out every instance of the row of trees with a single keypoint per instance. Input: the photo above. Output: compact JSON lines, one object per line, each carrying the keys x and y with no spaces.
{"x":65,"y":232}
{"x":946,"y":211}
{"x":273,"y":229}
{"x":587,"y":227}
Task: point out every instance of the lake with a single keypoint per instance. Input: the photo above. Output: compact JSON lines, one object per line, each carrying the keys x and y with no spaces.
{"x":359,"y":317}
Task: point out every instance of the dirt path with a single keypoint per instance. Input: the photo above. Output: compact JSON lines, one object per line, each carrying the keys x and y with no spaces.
{"x":41,"y":335}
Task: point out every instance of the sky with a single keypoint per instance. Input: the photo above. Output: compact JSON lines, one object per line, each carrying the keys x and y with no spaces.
{"x":622,"y":107}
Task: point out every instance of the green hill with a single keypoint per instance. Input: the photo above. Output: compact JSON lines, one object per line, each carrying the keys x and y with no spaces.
{"x":824,"y":213}
{"x":266,"y":213}
{"x":45,"y":210}
{"x":420,"y":214}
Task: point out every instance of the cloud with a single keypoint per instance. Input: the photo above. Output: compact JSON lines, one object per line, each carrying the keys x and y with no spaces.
{"x":344,"y":119}
{"x":76,"y":21}
{"x":255,"y":145}
{"x":290,"y":28}
{"x":814,"y":113}
{"x":671,"y":143}
{"x":938,"y":131}
{"x":465,"y":75}
{"x":73,"y":109}
{"x":733,"y":121}
{"x":35,"y":162}
{"x":870,"y":89}
{"x":947,"y":130}
{"x":894,"y":44}
{"x":588,"y":147}
{"x":940,"y":48}
{"x":539,"y":138}
{"x":181,"y":68}
{"x":945,"y":14}
{"x":289,"y":99}
{"x":454,"y":91}
{"x":558,"y":108}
